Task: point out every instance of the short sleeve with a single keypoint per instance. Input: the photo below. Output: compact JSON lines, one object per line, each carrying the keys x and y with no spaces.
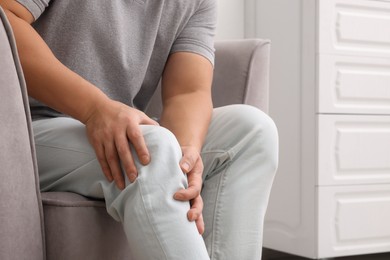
{"x":36,"y":7}
{"x":198,"y":34}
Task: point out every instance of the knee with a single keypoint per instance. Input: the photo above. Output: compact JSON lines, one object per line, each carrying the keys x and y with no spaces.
{"x":165,"y":153}
{"x":161,"y":142}
{"x":261,"y":130}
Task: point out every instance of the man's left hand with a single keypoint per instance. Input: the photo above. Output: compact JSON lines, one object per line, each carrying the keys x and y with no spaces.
{"x":192,"y":165}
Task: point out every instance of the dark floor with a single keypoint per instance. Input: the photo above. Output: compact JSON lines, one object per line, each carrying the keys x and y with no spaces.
{"x":275,"y":255}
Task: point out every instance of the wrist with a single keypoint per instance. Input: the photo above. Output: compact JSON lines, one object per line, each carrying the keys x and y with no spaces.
{"x":97,"y":102}
{"x":194,"y":147}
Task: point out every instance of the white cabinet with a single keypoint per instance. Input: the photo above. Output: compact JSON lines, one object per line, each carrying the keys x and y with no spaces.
{"x":353,"y":84}
{"x":330,"y":98}
{"x":353,"y":150}
{"x":353,"y":219}
{"x":360,"y":27}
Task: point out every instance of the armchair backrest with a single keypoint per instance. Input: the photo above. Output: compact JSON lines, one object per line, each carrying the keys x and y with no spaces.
{"x":21,"y":228}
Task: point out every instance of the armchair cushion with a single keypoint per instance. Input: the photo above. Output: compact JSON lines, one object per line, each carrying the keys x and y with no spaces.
{"x":79,"y":228}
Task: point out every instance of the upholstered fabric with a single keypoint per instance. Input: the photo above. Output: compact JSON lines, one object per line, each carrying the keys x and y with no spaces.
{"x":241,"y":73}
{"x":79,"y":228}
{"x":21,"y":235}
{"x":76,"y":227}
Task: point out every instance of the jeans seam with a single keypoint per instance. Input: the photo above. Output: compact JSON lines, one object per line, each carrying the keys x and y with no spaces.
{"x":217,"y":206}
{"x":49,"y":187}
{"x":65,"y":149}
{"x":149,"y":219}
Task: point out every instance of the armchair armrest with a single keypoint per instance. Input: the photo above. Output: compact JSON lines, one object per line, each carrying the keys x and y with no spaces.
{"x":21,"y":222}
{"x":241,"y":75}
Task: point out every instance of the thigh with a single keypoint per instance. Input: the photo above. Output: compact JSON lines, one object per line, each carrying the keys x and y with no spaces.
{"x":66,"y":160}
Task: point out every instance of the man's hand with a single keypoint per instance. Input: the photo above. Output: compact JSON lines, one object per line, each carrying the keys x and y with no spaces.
{"x":110,"y":127}
{"x":192,"y":165}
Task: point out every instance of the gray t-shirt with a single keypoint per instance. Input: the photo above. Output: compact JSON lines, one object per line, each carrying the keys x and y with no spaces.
{"x":121,"y":46}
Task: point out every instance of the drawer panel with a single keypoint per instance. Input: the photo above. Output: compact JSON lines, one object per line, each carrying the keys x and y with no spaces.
{"x":354,"y":26}
{"x":355,"y":85}
{"x":353,"y":149}
{"x":353,"y":220}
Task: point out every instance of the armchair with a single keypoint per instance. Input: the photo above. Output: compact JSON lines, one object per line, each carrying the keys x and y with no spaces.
{"x":60,"y":225}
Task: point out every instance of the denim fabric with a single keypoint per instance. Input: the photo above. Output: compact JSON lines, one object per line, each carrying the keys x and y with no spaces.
{"x":240,"y":156}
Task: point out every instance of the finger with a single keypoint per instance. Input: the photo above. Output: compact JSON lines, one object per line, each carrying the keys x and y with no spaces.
{"x":187,"y":194}
{"x":200,"y":224}
{"x":101,"y":157}
{"x":196,"y":209}
{"x":137,"y":140}
{"x":126,"y":158}
{"x":113,"y":163}
{"x":191,"y":192}
{"x":188,"y":160}
{"x":194,"y":184}
{"x":145,"y":120}
{"x":194,"y":187}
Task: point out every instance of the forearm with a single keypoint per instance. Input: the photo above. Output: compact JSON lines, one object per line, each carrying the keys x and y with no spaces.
{"x":188,"y":117}
{"x":48,"y":80}
{"x":186,"y":96}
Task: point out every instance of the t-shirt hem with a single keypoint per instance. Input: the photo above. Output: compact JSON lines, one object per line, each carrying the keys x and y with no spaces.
{"x":35,"y":8}
{"x":196,"y":48}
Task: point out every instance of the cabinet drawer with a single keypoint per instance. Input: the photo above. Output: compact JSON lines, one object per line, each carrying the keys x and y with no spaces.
{"x":353,"y":220}
{"x":354,"y":27}
{"x":353,"y":149}
{"x":354,"y":85}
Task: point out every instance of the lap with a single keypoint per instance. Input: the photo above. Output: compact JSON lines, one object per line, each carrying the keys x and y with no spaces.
{"x":62,"y":145}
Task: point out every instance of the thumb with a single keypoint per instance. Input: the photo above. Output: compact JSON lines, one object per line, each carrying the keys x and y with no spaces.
{"x":188,"y":160}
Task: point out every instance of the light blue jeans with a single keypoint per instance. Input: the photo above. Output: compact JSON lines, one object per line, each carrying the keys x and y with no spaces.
{"x":240,"y":156}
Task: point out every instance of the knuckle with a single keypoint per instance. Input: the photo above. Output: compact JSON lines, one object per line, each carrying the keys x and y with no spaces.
{"x":190,"y":159}
{"x":142,"y":114}
{"x":94,"y":138}
{"x":195,"y":192}
{"x":130,"y":168}
{"x":116,"y":175}
{"x":126,"y":119}
{"x":122,"y":148}
{"x":102,"y":160}
{"x":134,"y":134}
{"x":105,"y":132}
{"x":111,"y":158}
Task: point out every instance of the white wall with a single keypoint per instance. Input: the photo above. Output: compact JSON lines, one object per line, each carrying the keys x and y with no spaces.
{"x":231,"y":19}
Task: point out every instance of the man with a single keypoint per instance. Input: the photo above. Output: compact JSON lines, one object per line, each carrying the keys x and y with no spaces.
{"x":91,"y":68}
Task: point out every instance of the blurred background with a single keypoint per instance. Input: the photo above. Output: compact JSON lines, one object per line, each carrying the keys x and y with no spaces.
{"x":330,"y":98}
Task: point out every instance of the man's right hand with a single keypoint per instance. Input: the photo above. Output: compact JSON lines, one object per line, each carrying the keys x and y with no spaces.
{"x":110,"y":128}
